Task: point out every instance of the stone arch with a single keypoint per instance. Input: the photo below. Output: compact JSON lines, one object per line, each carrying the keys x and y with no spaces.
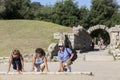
{"x":99,"y":28}
{"x":91,"y":29}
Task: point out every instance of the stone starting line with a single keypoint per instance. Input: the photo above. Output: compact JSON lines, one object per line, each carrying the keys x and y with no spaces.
{"x":46,"y":73}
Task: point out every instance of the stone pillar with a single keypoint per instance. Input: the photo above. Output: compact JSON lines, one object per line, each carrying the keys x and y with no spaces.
{"x":112,"y":38}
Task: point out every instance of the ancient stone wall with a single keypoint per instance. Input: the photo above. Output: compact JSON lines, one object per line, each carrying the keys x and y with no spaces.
{"x":80,"y":38}
{"x":115,"y":36}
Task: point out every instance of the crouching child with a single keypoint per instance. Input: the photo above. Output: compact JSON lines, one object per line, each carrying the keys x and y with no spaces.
{"x":39,"y":61}
{"x":17,"y":61}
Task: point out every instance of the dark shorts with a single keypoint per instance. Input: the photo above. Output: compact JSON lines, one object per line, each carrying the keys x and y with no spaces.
{"x":37,"y":65}
{"x":15,"y":64}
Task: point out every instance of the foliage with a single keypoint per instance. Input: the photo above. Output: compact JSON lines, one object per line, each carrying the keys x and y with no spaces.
{"x":65,"y":12}
{"x":2,"y":8}
{"x":15,"y":9}
{"x":102,"y":12}
{"x":35,"y":8}
{"x":45,"y":13}
{"x":83,"y":17}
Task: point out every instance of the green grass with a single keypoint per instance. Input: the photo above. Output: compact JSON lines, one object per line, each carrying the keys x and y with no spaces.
{"x":27,"y":35}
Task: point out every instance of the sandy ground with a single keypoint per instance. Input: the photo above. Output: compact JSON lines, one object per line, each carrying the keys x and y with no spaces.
{"x":109,"y":70}
{"x":101,"y":71}
{"x":44,"y":77}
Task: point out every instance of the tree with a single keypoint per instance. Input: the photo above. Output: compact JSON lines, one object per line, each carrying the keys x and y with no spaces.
{"x":35,"y":7}
{"x":83,"y":17}
{"x":57,"y":12}
{"x":24,"y":9}
{"x":17,"y":9}
{"x":45,"y":13}
{"x":66,"y":13}
{"x":102,"y":12}
{"x":115,"y":20}
{"x":2,"y":8}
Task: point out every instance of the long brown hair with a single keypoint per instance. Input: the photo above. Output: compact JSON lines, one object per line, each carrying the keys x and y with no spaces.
{"x":41,"y":51}
{"x":17,"y":52}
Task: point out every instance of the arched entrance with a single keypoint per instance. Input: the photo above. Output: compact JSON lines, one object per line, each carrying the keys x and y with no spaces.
{"x":100,"y":31}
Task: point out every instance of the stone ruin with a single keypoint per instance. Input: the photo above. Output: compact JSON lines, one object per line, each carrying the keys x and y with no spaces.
{"x":114,"y":33}
{"x":80,"y":38}
{"x":114,"y":47}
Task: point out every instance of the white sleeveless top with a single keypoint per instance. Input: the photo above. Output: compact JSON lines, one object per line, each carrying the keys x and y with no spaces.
{"x":40,"y":60}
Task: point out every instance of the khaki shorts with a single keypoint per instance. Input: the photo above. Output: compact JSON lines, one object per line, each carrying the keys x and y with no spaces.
{"x":67,"y":63}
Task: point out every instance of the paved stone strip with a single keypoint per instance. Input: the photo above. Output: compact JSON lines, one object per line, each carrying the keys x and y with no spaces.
{"x":47,"y":73}
{"x":98,"y":58}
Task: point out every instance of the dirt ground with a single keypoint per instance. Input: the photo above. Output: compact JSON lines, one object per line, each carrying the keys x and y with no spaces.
{"x":101,"y":70}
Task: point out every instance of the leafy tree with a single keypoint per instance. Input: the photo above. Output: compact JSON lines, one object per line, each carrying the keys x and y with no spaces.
{"x":65,"y":13}
{"x":102,"y":12}
{"x":2,"y":8}
{"x":41,"y":12}
{"x":83,"y":16}
{"x":115,"y":19}
{"x":17,"y":9}
{"x":24,"y":9}
{"x":35,"y":8}
{"x":45,"y":13}
{"x":57,"y":12}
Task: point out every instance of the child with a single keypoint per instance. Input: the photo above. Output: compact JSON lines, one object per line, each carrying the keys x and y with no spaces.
{"x":16,"y":60}
{"x":39,"y":61}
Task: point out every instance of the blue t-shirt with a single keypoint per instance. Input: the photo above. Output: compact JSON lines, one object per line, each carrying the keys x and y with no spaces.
{"x":65,"y":55}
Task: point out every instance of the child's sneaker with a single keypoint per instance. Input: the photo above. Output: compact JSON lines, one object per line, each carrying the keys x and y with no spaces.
{"x":35,"y":69}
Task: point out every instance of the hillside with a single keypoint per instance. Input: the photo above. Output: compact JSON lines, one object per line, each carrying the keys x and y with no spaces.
{"x":26,"y":35}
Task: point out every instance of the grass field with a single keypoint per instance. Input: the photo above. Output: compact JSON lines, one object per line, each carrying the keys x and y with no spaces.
{"x":26,"y":35}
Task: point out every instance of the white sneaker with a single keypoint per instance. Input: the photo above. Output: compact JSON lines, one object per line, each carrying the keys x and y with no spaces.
{"x":69,"y":69}
{"x":35,"y":69}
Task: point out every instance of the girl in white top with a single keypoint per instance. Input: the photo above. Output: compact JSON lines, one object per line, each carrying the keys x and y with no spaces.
{"x":39,"y":61}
